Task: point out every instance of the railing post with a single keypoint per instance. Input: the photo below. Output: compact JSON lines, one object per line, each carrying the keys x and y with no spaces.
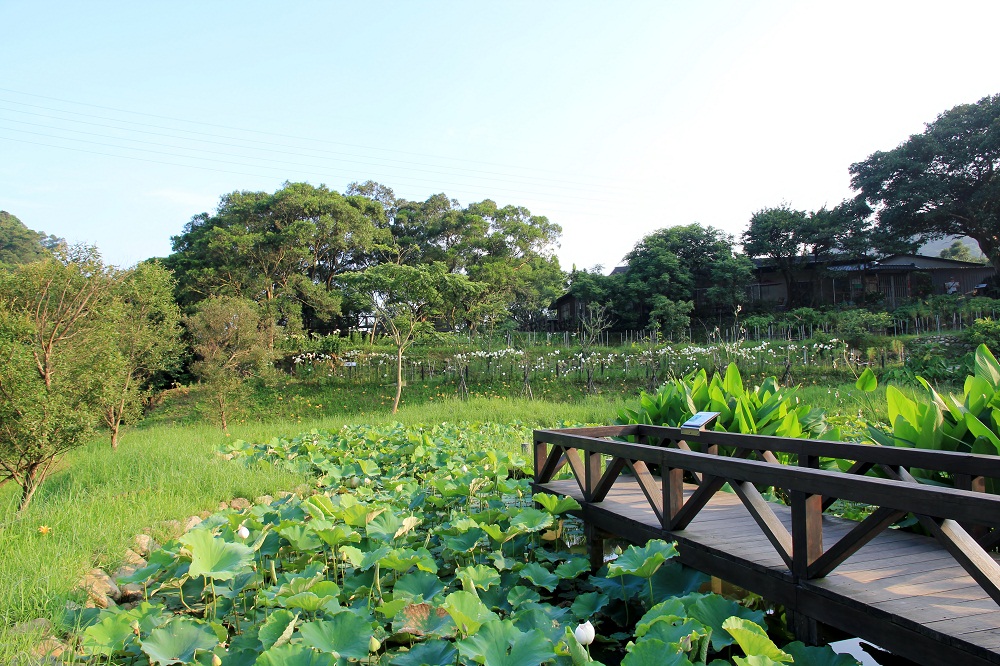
{"x":807,"y":524}
{"x":540,"y":457}
{"x":672,"y":481}
{"x":592,"y":473}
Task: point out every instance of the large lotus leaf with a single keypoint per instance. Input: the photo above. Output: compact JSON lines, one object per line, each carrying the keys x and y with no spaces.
{"x":295,"y":654}
{"x":539,"y":576}
{"x":642,"y":562}
{"x":431,"y":653}
{"x":468,"y":611}
{"x":653,"y":652}
{"x":321,"y":595}
{"x":403,"y":559}
{"x":277,"y":629}
{"x":424,"y":620}
{"x":534,"y":618}
{"x":519,"y":594}
{"x":480,"y":576}
{"x":384,"y":526}
{"x":345,"y":633}
{"x":499,"y":643}
{"x":355,"y":515}
{"x":215,"y":558}
{"x":670,"y":609}
{"x":338,"y":535}
{"x":805,"y":655}
{"x":712,"y":610}
{"x":177,"y":641}
{"x":301,"y":536}
{"x":319,"y":506}
{"x":753,"y":640}
{"x":419,"y":585}
{"x":556,"y":504}
{"x":681,"y":632}
{"x":572,"y":568}
{"x":465,"y":542}
{"x":588,"y":604}
{"x":108,"y":636}
{"x":531,"y":520}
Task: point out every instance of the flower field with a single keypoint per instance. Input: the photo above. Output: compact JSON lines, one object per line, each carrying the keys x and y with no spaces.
{"x":418,"y":546}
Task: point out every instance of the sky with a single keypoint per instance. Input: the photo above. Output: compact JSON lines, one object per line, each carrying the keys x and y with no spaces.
{"x":119,"y":121}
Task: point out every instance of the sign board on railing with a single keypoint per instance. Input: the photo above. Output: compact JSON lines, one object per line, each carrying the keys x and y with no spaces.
{"x":698,"y":422}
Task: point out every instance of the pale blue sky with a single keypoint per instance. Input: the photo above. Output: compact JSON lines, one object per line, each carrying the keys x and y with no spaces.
{"x":613,"y":119}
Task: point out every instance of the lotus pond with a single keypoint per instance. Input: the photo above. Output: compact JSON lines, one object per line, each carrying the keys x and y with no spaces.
{"x":419,"y":546}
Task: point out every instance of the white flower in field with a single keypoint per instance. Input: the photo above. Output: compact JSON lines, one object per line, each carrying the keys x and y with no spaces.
{"x":585,"y":633}
{"x":242,"y":532}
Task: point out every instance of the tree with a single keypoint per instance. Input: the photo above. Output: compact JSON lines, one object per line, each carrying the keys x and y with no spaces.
{"x":52,"y":347}
{"x":780,"y":235}
{"x":685,"y":263}
{"x":144,"y":339}
{"x":945,"y":181}
{"x":406,"y":300}
{"x":21,"y":245}
{"x":959,"y":251}
{"x":231,"y":339}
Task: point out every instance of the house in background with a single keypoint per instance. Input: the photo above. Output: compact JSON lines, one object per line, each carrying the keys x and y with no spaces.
{"x":892,"y":279}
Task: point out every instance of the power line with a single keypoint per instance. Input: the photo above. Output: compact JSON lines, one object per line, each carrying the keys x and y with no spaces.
{"x":603,"y":182}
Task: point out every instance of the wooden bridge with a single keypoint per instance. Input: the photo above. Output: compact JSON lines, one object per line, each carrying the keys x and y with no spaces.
{"x":932,"y":599}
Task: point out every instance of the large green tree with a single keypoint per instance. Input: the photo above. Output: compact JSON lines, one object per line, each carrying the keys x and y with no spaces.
{"x":779,"y":234}
{"x":681,"y":264}
{"x":943,"y":181}
{"x":284,"y":250}
{"x":53,"y":343}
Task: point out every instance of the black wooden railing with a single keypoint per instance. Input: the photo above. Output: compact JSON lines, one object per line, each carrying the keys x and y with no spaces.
{"x":964,"y":519}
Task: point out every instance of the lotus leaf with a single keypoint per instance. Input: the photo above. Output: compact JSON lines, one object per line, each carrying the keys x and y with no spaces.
{"x":301,"y":536}
{"x":404,"y":559}
{"x":384,"y":526}
{"x":463,"y":543}
{"x":480,"y":576}
{"x":654,"y":652}
{"x":556,"y":504}
{"x":818,"y":656}
{"x":277,"y":629}
{"x":293,"y":654}
{"x":467,"y":611}
{"x":588,"y":605}
{"x":642,"y":562}
{"x":753,"y":640}
{"x":540,"y":576}
{"x":531,"y":520}
{"x":346,"y":634}
{"x":519,"y":594}
{"x":713,"y":610}
{"x":572,"y":568}
{"x":424,"y":620}
{"x":670,"y":609}
{"x":419,"y":585}
{"x":177,"y":641}
{"x":756,"y":660}
{"x":499,"y":643}
{"x":215,"y":558}
{"x":431,"y":653}
{"x":534,"y":618}
{"x":112,"y":634}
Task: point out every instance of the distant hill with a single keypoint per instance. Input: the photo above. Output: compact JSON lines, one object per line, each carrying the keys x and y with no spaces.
{"x":933,"y":249}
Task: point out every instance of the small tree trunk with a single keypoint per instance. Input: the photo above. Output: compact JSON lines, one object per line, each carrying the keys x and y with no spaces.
{"x":114,"y":435}
{"x":29,"y":484}
{"x":399,"y":378}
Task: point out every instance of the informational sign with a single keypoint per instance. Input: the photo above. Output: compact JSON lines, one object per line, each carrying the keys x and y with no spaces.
{"x":350,"y":364}
{"x":698,"y":422}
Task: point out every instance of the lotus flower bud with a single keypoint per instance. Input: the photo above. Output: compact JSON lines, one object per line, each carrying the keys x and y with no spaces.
{"x":585,"y":633}
{"x":135,"y":627}
{"x":216,"y":661}
{"x":242,"y":532}
{"x":373,"y":644}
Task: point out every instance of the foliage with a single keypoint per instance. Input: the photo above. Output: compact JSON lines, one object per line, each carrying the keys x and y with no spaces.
{"x":413,"y":564}
{"x":966,"y":423}
{"x":767,"y":409}
{"x":21,"y":245}
{"x":857,"y":327}
{"x":53,"y":340}
{"x":942,"y":181}
{"x":984,"y":331}
{"x":959,"y":251}
{"x":232,"y":342}
{"x":145,"y":340}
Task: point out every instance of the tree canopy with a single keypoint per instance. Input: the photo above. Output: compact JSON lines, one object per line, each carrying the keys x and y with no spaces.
{"x":21,"y":245}
{"x":943,"y":181}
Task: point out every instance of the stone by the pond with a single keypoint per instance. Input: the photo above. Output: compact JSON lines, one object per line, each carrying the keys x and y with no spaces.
{"x":192,"y":523}
{"x":144,"y":545}
{"x":240,"y":504}
{"x":263,"y":499}
{"x":100,"y":589}
{"x":39,"y":625}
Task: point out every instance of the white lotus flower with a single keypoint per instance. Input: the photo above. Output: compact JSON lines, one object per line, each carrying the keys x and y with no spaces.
{"x":585,"y":633}
{"x":242,"y":532}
